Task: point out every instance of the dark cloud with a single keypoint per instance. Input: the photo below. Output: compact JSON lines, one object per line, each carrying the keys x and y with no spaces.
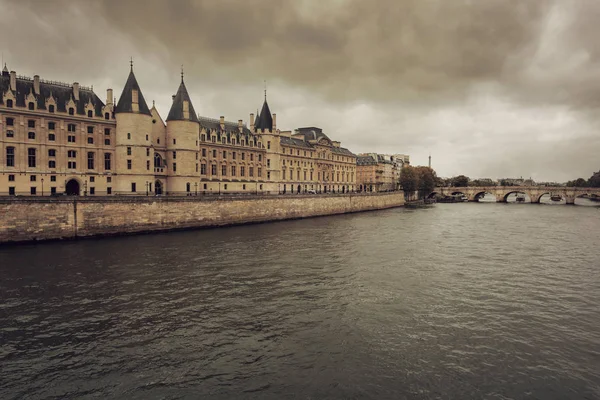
{"x":401,"y":62}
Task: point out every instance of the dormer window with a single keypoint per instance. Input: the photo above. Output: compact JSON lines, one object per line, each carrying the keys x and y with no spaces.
{"x":203,"y":137}
{"x":224,"y":141}
{"x":214,"y":139}
{"x":31,"y":105}
{"x":106,"y":116}
{"x":90,"y":114}
{"x":51,"y":108}
{"x":71,"y":111}
{"x":9,"y":103}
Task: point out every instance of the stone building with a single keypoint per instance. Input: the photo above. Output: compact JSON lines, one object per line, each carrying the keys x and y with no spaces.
{"x":377,"y":173}
{"x":61,"y":138}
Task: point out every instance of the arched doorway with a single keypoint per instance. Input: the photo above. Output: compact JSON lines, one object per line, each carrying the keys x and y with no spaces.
{"x":72,"y":188}
{"x":158,"y":189}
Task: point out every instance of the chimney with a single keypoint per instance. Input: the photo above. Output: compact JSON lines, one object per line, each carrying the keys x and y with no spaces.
{"x":109,"y":97}
{"x":274,"y":122}
{"x":252,"y":121}
{"x":36,"y":84}
{"x":13,"y":81}
{"x":222,"y":121}
{"x":240,"y":124}
{"x":76,"y":90}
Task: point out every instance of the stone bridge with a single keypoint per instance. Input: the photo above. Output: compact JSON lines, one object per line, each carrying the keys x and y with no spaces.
{"x":535,"y":193}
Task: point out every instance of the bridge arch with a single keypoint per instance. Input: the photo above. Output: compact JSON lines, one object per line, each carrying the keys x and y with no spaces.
{"x":517,"y":192}
{"x":480,"y":195}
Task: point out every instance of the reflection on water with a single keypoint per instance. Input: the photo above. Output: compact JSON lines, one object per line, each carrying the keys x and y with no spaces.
{"x":453,"y":301}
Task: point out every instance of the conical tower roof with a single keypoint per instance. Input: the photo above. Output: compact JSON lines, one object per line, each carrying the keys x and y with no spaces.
{"x":176,"y":112}
{"x":125,"y":104}
{"x":265,"y":120}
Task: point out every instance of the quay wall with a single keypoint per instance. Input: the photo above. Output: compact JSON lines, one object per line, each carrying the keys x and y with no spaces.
{"x":31,"y":219}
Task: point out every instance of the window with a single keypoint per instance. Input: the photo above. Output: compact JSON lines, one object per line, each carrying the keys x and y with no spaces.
{"x":71,"y":111}
{"x":174,"y":141}
{"x":213,"y":169}
{"x":174,"y":155}
{"x":196,"y":156}
{"x":203,"y":152}
{"x":92,"y":190}
{"x":107,"y":142}
{"x":51,"y":126}
{"x":31,"y":105}
{"x":71,"y":127}
{"x":214,"y":139}
{"x":268,"y":145}
{"x":108,"y":179}
{"x":9,"y":103}
{"x":224,"y":155}
{"x":129,"y":151}
{"x":51,"y":164}
{"x":11,"y":189}
{"x":268,"y":162}
{"x":243,"y":156}
{"x":107,"y":131}
{"x":52,"y":153}
{"x":128,"y":164}
{"x":51,"y":108}
{"x":260,"y":157}
{"x":90,"y":129}
{"x":242,"y":171}
{"x":71,"y":154}
{"x":90,"y":140}
{"x":10,"y":133}
{"x":174,"y":167}
{"x":53,"y":190}
{"x":196,"y":167}
{"x":31,"y":158}
{"x":33,"y":190}
{"x":72,"y":165}
{"x":259,"y":172}
{"x":148,"y":165}
{"x":71,"y":138}
{"x":203,"y":169}
{"x":233,"y":155}
{"x":32,"y":178}
{"x":107,"y":162}
{"x":157,"y":141}
{"x":251,"y":171}
{"x":187,"y":187}
{"x":133,"y":188}
{"x":106,"y":116}
{"x":225,"y":187}
{"x":233,"y":170}
{"x":90,"y":114}
{"x":31,"y":123}
{"x":147,"y":152}
{"x":11,"y":178}
{"x":243,"y":187}
{"x":214,"y":154}
{"x":108,"y":189}
{"x":10,"y":122}
{"x":31,"y":135}
{"x":223,"y":170}
{"x":203,"y":137}
{"x":251,"y":157}
{"x":90,"y":159}
{"x":268,"y":174}
{"x":52,"y":178}
{"x":128,"y":135}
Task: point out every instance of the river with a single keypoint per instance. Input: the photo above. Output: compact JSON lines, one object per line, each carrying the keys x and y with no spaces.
{"x":456,"y":301}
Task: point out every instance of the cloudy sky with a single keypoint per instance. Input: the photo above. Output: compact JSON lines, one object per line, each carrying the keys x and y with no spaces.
{"x":491,"y":88}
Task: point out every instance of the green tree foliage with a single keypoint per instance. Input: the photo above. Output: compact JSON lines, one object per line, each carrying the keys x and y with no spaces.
{"x":579,"y":182}
{"x":426,"y":181}
{"x":409,"y":181}
{"x":460,"y":181}
{"x":594,"y":180}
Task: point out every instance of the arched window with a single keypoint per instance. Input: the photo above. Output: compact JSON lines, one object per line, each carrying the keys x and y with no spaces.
{"x":188,"y":187}
{"x":71,"y":111}
{"x":157,"y":161}
{"x":128,"y":135}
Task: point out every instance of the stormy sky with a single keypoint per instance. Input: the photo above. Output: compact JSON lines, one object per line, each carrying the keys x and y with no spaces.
{"x":491,"y":88}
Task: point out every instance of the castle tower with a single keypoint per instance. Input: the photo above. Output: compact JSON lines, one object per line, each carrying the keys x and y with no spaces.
{"x":133,"y":151}
{"x":183,"y":132}
{"x":266,"y":126}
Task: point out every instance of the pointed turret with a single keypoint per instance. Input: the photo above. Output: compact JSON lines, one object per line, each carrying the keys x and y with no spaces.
{"x":182,"y":108}
{"x":5,"y":70}
{"x":265,"y":119}
{"x":132,"y":99}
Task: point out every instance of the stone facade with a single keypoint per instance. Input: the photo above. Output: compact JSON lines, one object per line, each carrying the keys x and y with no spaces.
{"x":29,"y":218}
{"x":377,"y":172}
{"x":60,"y":138}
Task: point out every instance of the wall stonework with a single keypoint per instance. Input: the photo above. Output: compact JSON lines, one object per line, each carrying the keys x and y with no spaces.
{"x":29,"y":219}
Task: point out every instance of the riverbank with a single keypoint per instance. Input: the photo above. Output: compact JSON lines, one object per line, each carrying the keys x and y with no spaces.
{"x":28,"y":219}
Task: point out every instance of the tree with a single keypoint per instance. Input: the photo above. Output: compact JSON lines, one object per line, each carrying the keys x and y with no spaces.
{"x":579,"y":182}
{"x":460,"y":181}
{"x":426,"y":181}
{"x":594,"y":180}
{"x":409,"y":181}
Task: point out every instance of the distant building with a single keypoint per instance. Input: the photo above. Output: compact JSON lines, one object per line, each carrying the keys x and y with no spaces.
{"x":377,"y":172}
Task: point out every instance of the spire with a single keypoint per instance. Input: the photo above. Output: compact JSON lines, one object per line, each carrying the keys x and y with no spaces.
{"x":178,"y":108}
{"x":125,"y":104}
{"x":181,"y":73}
{"x":265,"y":119}
{"x":5,"y":69}
{"x":131,"y":64}
{"x":265,"y":90}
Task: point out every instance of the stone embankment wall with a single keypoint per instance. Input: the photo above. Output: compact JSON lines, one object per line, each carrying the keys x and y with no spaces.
{"x":29,"y":218}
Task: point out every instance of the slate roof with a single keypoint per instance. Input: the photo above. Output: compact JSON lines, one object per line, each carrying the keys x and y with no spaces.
{"x":125,"y":101}
{"x":215,"y":124}
{"x":312,"y":133}
{"x":176,"y":112}
{"x":264,"y":120}
{"x":342,"y":151}
{"x":292,"y":141}
{"x":365,"y":160}
{"x":62,"y":93}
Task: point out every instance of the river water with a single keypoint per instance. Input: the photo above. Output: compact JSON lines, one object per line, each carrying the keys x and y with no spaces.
{"x":456,"y":301}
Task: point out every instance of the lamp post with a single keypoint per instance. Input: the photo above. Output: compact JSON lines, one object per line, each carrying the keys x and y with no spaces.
{"x":219,"y":188}
{"x":196,"y":185}
{"x":85,"y":188}
{"x":147,"y":188}
{"x":42,"y":186}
